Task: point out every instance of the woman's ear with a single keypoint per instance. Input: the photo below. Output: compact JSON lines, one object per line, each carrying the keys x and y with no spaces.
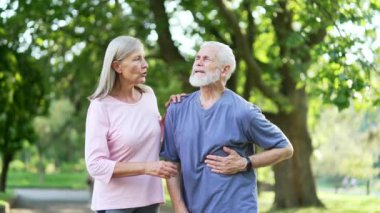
{"x":116,"y":66}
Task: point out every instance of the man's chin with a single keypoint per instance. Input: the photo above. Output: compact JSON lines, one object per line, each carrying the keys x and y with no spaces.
{"x":196,"y":82}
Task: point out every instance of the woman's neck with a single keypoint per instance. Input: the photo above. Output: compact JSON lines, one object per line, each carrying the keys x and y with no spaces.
{"x":126,"y":93}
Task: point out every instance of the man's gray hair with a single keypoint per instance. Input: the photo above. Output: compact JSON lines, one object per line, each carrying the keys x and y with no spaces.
{"x":224,"y":54}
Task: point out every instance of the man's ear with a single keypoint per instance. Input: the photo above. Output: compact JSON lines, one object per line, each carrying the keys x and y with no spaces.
{"x":226,"y":69}
{"x":116,"y":66}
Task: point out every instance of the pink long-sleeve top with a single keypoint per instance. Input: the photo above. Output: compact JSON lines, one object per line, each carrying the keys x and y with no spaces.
{"x":120,"y":132}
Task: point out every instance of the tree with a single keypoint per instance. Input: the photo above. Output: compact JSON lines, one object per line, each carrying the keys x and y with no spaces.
{"x":49,"y":129}
{"x":22,"y":97}
{"x":286,"y":53}
{"x":276,"y":45}
{"x":23,"y":86}
{"x":344,"y":149}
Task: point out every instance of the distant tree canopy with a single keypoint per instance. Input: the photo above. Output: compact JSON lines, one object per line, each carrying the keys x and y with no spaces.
{"x":21,"y":98}
{"x":288,"y":52}
{"x":344,"y":149}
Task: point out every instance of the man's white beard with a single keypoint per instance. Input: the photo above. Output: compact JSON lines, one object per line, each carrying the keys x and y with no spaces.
{"x":200,"y":81}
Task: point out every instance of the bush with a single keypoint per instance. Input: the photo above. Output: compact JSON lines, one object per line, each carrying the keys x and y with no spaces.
{"x":17,"y":165}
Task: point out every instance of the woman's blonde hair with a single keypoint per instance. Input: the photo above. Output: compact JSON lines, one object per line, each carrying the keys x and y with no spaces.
{"x":119,"y":48}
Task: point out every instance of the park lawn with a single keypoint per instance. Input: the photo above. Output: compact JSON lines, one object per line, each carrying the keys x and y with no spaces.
{"x":6,"y":196}
{"x":347,"y":203}
{"x":335,"y":203}
{"x":69,"y":180}
{"x":5,"y":199}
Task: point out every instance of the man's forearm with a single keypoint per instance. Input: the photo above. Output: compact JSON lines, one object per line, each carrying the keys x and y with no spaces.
{"x":271,"y":157}
{"x":174,"y":188}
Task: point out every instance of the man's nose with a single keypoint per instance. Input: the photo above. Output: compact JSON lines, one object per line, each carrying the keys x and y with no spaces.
{"x":199,"y":62}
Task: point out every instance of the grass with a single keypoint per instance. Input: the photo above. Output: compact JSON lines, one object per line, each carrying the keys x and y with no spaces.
{"x":5,"y":199}
{"x":335,"y":203}
{"x":74,"y":180}
{"x":349,"y":202}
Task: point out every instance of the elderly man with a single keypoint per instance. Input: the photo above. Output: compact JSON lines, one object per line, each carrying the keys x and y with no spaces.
{"x":211,"y":134}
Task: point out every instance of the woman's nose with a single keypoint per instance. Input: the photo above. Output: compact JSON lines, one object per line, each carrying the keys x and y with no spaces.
{"x":145,"y":64}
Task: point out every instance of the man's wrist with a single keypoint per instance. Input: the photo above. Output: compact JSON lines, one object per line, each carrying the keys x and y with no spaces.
{"x":249,"y":164}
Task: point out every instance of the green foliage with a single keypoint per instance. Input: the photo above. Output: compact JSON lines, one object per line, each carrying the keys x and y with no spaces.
{"x":51,"y":130}
{"x":51,"y":126}
{"x":53,"y":50}
{"x":346,"y":144}
{"x":22,"y":81}
{"x":265,"y":175}
{"x":161,"y":84}
{"x":17,"y":165}
{"x":341,"y":71}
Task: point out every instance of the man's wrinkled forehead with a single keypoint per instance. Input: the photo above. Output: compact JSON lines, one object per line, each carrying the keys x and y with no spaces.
{"x":207,"y":51}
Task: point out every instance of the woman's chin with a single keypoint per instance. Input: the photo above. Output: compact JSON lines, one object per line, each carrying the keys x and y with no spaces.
{"x":141,"y":81}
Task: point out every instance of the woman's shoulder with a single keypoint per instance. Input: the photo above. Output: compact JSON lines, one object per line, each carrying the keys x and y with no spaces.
{"x":98,"y":103}
{"x":96,"y":106}
{"x":104,"y":103}
{"x":145,"y":88}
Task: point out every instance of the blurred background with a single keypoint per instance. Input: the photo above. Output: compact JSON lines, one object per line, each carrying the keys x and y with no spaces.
{"x":311,"y":66}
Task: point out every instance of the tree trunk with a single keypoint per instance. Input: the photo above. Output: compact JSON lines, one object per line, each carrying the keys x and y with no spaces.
{"x":7,"y":158}
{"x":168,"y":50}
{"x":294,"y":179}
{"x":368,"y":187}
{"x":41,"y":165}
{"x":294,"y":185}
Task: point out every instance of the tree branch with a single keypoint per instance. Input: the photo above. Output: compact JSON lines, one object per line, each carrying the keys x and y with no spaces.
{"x":282,"y":27}
{"x":251,"y":30}
{"x":168,"y":50}
{"x":243,"y":45}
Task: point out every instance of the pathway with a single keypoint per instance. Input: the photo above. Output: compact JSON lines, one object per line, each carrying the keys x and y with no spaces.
{"x":55,"y":201}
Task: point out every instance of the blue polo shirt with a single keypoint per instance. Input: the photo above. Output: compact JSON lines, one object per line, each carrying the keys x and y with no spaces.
{"x":192,"y":133}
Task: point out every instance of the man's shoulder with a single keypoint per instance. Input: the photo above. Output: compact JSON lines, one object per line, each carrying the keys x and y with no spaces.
{"x":186,"y":100}
{"x":237,"y":100}
{"x":242,"y":107}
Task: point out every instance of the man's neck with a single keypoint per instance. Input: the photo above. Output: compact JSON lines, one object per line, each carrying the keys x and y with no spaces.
{"x":210,"y":94}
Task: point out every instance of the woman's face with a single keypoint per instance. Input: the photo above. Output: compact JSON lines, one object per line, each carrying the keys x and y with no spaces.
{"x":132,"y":69}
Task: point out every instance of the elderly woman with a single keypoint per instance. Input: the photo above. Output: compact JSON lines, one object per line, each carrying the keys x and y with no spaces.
{"x":123,"y":134}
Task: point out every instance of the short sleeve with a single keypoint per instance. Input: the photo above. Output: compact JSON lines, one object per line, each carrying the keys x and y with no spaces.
{"x":264,"y":133}
{"x":168,"y":149}
{"x":99,"y":166}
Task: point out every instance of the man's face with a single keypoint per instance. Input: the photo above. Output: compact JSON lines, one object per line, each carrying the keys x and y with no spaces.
{"x":206,"y":68}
